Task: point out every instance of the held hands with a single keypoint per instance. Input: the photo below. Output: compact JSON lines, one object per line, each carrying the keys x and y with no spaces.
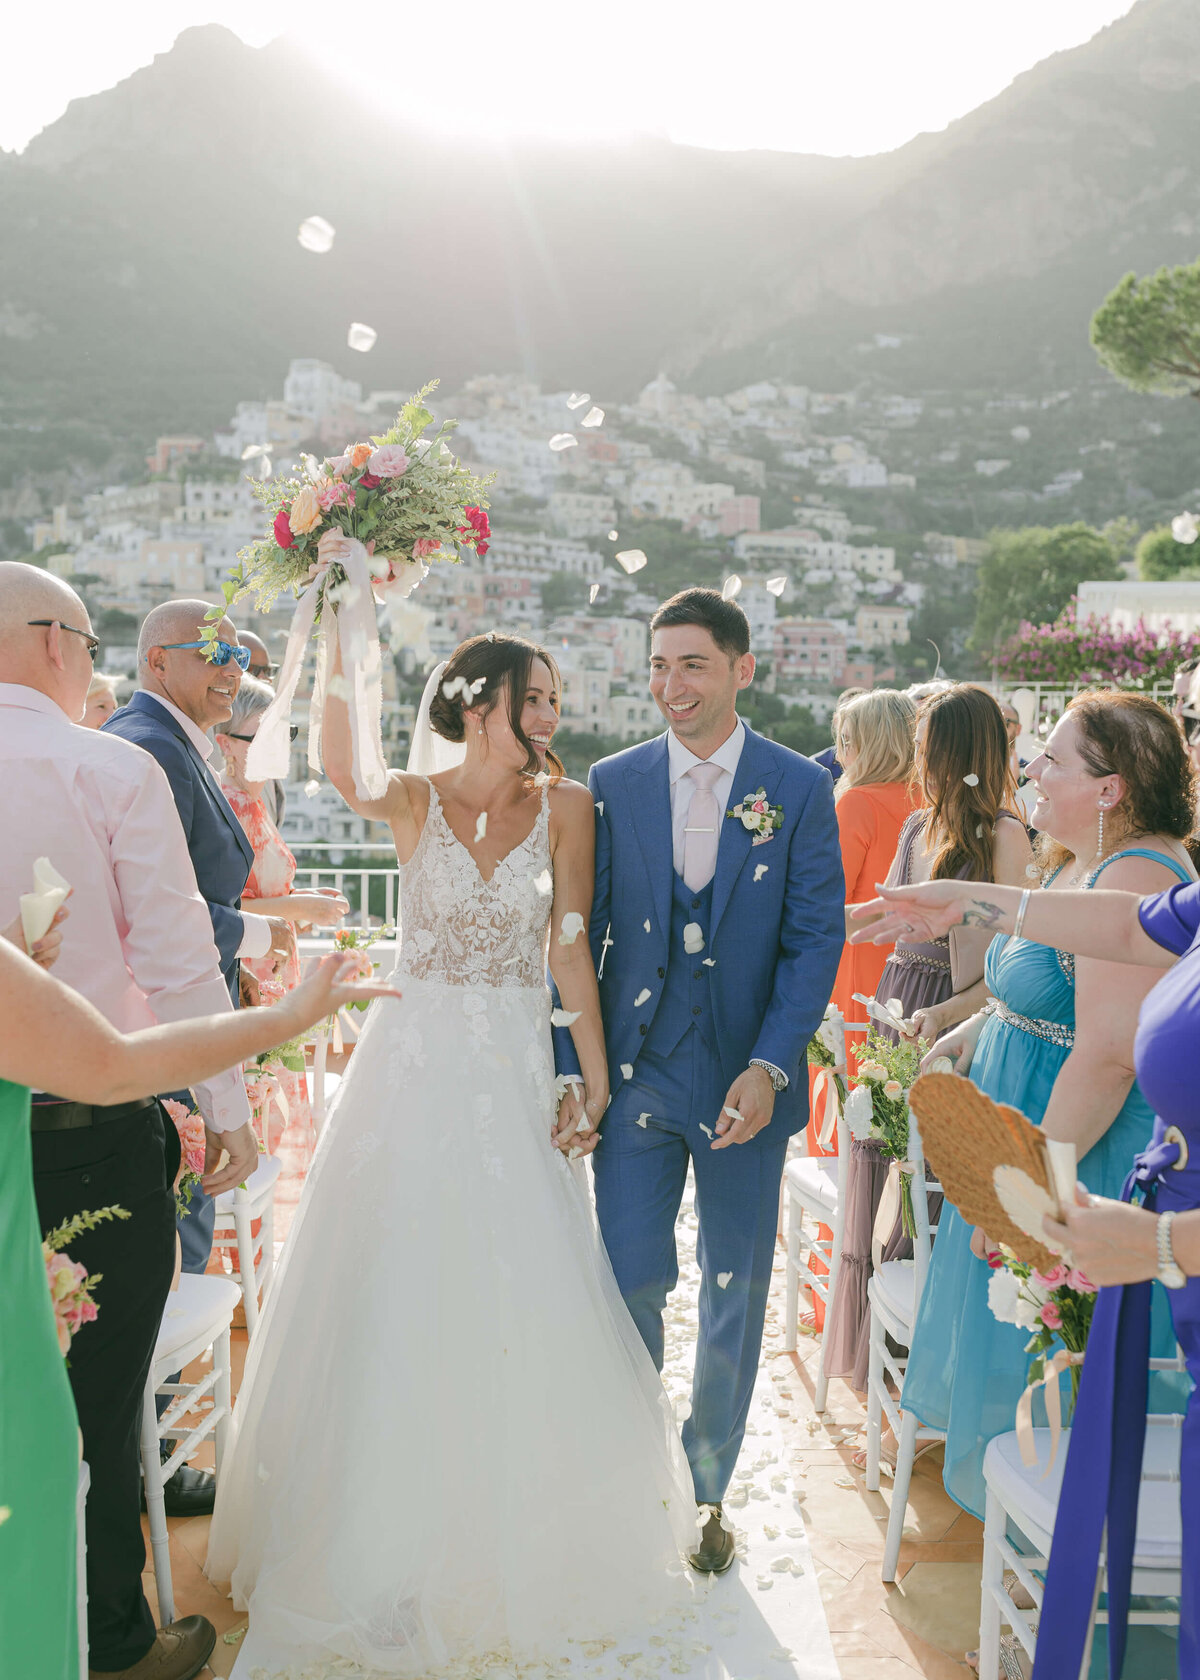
{"x":48,"y":948}
{"x":243,"y":1158}
{"x":917,"y":914}
{"x":753,"y":1096}
{"x":579,"y":1115}
{"x":959,"y":1044}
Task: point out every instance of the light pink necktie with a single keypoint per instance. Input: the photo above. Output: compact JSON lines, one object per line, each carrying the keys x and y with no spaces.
{"x":702,"y":827}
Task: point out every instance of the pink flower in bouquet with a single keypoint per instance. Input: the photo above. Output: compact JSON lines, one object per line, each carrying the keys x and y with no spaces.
{"x":190,"y":1127}
{"x":1051,"y":1315}
{"x":424,"y":547}
{"x":338,"y":465}
{"x":1079,"y":1283}
{"x":477,"y":528}
{"x":305,"y":511}
{"x":1052,"y":1278}
{"x":283,"y":530}
{"x":331,"y":492}
{"x":389,"y":461}
{"x":73,"y":1307}
{"x":360,"y":454}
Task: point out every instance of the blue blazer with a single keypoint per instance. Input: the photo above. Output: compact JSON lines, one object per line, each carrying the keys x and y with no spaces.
{"x":221,"y":854}
{"x":776,"y":942}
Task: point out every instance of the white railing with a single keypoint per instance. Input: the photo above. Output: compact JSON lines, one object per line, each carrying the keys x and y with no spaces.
{"x":364,"y":872}
{"x":1040,"y":705}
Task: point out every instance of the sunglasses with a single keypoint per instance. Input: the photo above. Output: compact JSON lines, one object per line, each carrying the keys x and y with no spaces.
{"x":93,"y":644}
{"x":293,"y":732}
{"x":221,"y":652}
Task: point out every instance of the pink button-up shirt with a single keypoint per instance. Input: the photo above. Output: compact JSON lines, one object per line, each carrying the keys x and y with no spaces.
{"x":138,"y":944}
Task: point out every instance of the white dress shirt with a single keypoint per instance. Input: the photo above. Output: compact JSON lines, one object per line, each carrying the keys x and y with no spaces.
{"x":680,"y":760}
{"x":256,"y":930}
{"x":139,"y":942}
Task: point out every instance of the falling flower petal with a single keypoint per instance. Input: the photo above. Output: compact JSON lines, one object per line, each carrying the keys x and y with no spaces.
{"x":234,"y":1634}
{"x":640,"y":999}
{"x":844,"y":1482}
{"x":264,"y":1475}
{"x":733,"y":1113}
{"x":572,"y":927}
{"x":1184,"y":527}
{"x":481,"y":828}
{"x":360,"y":336}
{"x":253,"y":450}
{"x":693,"y":939}
{"x":544,"y":883}
{"x":564,"y":1017}
{"x":781,"y":1565}
{"x":642,"y":1119}
{"x":627,"y":1070}
{"x":600,"y":812}
{"x":760,"y":870}
{"x":776,"y":585}
{"x":707,"y":1130}
{"x":731,"y":587}
{"x":593,"y":417}
{"x":573,"y":1153}
{"x":563,"y":440}
{"x":578,"y":398}
{"x":646,"y":924}
{"x":724,"y":1279}
{"x":1033,"y":871}
{"x":592,"y":593}
{"x":338,"y":689}
{"x":710,"y":962}
{"x":972,"y":780}
{"x":613,"y":535}
{"x":632,"y":559}
{"x":764,"y":1583}
{"x":312,"y":788}
{"x":316,"y":234}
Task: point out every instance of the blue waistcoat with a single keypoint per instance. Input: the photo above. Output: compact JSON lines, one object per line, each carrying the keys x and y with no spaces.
{"x":686,"y":999}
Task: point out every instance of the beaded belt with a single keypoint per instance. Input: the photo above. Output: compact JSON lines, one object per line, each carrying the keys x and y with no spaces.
{"x":918,"y":959}
{"x":1050,"y":1032}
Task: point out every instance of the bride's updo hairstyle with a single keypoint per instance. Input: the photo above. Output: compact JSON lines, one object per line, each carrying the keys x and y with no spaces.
{"x":964,"y":777}
{"x":503,"y":664}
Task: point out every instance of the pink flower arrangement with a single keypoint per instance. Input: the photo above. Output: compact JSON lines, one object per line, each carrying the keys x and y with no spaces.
{"x":1055,"y":1307}
{"x":1092,"y":652}
{"x":193,"y":1146}
{"x":69,"y":1296}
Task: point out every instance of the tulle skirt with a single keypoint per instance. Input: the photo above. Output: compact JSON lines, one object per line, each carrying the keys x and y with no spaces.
{"x":451,"y":1446}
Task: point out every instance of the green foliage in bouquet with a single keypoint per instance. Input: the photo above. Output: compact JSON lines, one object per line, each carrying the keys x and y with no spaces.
{"x":887,"y":1068}
{"x":61,"y":1235}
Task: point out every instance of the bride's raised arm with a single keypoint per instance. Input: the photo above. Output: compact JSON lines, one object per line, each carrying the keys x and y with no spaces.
{"x":573,"y":851}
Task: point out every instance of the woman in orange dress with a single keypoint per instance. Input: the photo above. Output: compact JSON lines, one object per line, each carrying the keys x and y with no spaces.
{"x":874,"y":798}
{"x":284,"y":1126}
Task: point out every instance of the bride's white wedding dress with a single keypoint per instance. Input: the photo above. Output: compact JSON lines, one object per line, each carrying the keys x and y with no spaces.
{"x":450,"y":1446}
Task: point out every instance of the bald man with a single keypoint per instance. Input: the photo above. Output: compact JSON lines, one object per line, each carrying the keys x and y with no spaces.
{"x":139,"y":946}
{"x":185,"y":687}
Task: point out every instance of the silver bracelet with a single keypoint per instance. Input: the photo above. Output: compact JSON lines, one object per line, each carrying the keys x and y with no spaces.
{"x":1021,"y":909}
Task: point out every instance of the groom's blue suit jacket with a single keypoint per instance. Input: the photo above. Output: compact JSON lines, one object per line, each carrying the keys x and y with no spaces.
{"x":775,"y":941}
{"x":221,"y":854}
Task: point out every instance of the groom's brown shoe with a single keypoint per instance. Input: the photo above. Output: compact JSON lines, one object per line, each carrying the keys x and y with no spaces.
{"x":714,"y":1554}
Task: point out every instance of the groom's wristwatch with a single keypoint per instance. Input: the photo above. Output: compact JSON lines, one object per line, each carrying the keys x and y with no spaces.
{"x":779,"y":1079}
{"x":1170,"y":1272}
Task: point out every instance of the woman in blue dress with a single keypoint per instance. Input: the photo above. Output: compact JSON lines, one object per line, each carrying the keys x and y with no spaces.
{"x":1115,"y":804}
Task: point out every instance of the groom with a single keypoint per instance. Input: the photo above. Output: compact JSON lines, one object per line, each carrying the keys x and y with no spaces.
{"x":718,"y":938}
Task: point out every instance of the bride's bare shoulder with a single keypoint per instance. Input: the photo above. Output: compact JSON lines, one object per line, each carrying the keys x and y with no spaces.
{"x":410,"y":796}
{"x":571,"y":801}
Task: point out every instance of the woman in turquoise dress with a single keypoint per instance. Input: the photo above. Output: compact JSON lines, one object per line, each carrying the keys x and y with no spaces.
{"x":53,"y":1039}
{"x":1056,"y":1042}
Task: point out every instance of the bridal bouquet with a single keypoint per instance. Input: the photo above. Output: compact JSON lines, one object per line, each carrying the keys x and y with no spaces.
{"x":355,"y":528}
{"x":71,"y":1284}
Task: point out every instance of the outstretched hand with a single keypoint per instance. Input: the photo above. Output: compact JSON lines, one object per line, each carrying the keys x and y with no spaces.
{"x":752,"y":1099}
{"x":918,"y":914}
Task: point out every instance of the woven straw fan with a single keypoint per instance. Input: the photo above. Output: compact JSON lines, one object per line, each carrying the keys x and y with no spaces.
{"x":997,"y":1168}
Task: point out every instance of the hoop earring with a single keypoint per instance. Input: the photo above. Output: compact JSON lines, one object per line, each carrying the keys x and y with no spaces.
{"x":1100,"y":835}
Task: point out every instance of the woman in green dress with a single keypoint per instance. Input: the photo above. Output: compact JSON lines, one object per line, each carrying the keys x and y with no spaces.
{"x":53,"y":1039}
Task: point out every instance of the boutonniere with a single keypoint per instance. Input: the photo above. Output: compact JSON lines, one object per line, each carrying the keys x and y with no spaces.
{"x":757,"y":817}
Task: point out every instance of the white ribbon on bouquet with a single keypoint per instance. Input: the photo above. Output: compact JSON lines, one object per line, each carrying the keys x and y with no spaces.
{"x":351,"y":619}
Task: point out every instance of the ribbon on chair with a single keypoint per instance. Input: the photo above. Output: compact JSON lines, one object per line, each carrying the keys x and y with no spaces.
{"x":825,"y":1088}
{"x":353,"y":623}
{"x":1055,"y":1367}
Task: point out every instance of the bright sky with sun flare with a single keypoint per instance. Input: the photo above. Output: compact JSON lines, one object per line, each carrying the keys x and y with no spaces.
{"x":857,"y":76}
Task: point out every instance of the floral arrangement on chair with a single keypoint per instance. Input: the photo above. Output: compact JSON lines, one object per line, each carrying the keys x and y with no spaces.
{"x":192,"y":1147}
{"x":877,"y":1107}
{"x":71,"y":1285}
{"x":398,"y":504}
{"x":1057,"y":1307}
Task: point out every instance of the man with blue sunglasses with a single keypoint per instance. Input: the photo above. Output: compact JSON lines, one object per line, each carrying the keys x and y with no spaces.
{"x":186,"y":687}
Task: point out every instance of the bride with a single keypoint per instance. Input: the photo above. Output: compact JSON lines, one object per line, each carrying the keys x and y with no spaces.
{"x":451,"y":1448}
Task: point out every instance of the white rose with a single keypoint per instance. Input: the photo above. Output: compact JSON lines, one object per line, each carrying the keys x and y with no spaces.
{"x":750,"y":819}
{"x":859,"y":1112}
{"x":1004,"y":1296}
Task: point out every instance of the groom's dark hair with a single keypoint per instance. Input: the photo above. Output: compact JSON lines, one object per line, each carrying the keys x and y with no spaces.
{"x":724,"y":620}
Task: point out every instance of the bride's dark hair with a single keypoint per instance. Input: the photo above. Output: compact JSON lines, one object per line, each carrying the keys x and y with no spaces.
{"x":502,"y":664}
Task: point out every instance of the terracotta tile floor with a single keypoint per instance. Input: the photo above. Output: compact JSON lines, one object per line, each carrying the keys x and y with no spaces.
{"x":920,"y":1626}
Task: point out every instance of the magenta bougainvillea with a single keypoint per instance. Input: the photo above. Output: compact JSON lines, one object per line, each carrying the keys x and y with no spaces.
{"x":1065,"y":652}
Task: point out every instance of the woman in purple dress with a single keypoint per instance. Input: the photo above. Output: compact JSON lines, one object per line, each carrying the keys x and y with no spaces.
{"x":961,"y":768}
{"x":1122,"y":1247}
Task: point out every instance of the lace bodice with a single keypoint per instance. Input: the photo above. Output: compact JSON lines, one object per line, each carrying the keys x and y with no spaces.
{"x":461,"y":930}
